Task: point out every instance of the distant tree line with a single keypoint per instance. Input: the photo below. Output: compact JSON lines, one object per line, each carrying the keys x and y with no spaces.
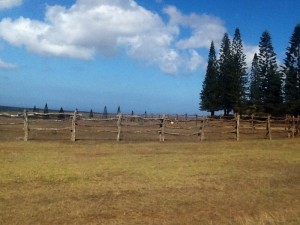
{"x":266,"y":88}
{"x":62,"y":116}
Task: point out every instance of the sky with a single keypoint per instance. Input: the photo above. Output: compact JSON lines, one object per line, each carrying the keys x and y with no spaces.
{"x":141,"y":55}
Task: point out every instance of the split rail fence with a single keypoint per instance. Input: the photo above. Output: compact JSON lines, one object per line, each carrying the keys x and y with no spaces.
{"x":76,"y":126}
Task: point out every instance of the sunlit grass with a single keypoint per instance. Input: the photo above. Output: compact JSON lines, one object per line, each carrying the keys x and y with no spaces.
{"x":251,"y":182}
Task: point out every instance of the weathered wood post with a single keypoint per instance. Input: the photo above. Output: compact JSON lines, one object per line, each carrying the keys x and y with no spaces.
{"x":119,"y":124}
{"x":297,"y":125}
{"x":252,"y":123}
{"x":162,"y":128}
{"x":293,"y":126}
{"x":287,"y":123}
{"x":237,"y":127}
{"x":196,"y":115}
{"x":268,"y":128}
{"x":26,"y":125}
{"x":74,"y":121}
{"x":201,"y":130}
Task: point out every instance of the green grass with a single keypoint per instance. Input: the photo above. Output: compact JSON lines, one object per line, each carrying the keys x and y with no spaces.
{"x":251,"y":182}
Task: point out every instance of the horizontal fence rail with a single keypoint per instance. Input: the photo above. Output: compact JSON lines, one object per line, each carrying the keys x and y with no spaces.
{"x":148,"y":127}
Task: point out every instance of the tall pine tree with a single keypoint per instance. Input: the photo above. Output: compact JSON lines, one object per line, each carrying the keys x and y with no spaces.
{"x":226,"y":78}
{"x":255,"y":89}
{"x":46,"y":110}
{"x":119,"y":110}
{"x":105,"y":114}
{"x":209,"y":99}
{"x":61,"y":113}
{"x":91,"y":115}
{"x":291,"y":72}
{"x":271,"y":80}
{"x":240,"y":78}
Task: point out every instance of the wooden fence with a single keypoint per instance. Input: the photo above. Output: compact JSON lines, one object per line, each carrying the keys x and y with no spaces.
{"x":142,"y":127}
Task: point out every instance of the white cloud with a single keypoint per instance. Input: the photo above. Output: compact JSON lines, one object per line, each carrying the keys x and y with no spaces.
{"x":249,"y":51}
{"x":7,"y":66}
{"x":204,"y":28}
{"x":196,"y":61}
{"x":6,"y":4}
{"x":90,"y":26}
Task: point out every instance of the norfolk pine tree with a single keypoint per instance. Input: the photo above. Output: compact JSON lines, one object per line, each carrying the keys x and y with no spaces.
{"x":61,"y":113}
{"x":226,"y":78}
{"x":255,"y":89}
{"x":91,"y":114}
{"x":239,"y":74}
{"x":209,"y":98}
{"x":271,"y":80}
{"x":291,"y":72}
{"x":46,"y":108}
{"x":105,"y":112}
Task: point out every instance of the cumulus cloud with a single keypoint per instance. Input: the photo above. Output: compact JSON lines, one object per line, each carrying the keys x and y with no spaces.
{"x":7,"y":66}
{"x":91,"y":27}
{"x":204,"y":28}
{"x":6,"y":4}
{"x":249,"y":51}
{"x":196,"y":60}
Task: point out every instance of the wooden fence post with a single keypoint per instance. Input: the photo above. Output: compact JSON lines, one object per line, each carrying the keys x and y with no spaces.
{"x":252,"y":123}
{"x":297,"y":126}
{"x":293,"y":126}
{"x":26,"y":125}
{"x":74,"y":120}
{"x":119,"y":124}
{"x":268,"y":128}
{"x":201,"y":130}
{"x":287,"y":123}
{"x":237,"y":127}
{"x":162,"y":129}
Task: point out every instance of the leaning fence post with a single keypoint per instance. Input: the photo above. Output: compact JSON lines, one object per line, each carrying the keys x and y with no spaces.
{"x":119,"y":123}
{"x":26,"y":125}
{"x":162,"y":129}
{"x":237,"y":127}
{"x":268,"y":128}
{"x":74,"y":119}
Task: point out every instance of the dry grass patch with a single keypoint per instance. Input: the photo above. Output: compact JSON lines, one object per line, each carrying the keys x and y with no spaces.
{"x":150,"y":183}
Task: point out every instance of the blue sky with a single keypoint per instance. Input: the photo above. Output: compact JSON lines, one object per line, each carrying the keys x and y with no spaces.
{"x":142,"y":55}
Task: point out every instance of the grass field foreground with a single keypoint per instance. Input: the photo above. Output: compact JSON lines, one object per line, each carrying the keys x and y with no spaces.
{"x":248,"y":182}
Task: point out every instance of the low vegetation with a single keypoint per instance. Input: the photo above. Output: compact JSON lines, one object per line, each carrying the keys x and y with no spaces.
{"x":248,"y":182}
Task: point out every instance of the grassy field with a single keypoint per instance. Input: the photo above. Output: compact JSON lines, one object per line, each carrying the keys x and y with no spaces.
{"x":248,"y":182}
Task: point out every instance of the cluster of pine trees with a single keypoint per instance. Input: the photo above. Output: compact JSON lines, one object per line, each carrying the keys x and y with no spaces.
{"x":266,"y":88}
